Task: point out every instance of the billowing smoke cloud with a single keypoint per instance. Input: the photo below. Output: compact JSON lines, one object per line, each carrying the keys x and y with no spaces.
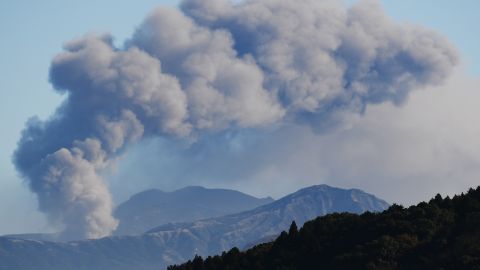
{"x":211,"y":67}
{"x":402,"y":154}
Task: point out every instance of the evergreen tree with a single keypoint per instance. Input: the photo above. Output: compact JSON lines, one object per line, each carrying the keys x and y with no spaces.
{"x":441,"y":234}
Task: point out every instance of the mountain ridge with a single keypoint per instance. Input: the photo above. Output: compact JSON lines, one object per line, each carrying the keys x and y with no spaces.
{"x":443,"y":233}
{"x":147,"y":209}
{"x":171,"y":243}
{"x":243,"y":228}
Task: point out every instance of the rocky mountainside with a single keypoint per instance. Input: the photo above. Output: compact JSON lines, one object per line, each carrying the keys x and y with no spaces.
{"x":214,"y":235}
{"x":177,"y":242}
{"x":148,"y":209}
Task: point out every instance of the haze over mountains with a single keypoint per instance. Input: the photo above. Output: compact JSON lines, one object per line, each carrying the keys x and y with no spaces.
{"x":178,"y":242}
{"x":150,"y":208}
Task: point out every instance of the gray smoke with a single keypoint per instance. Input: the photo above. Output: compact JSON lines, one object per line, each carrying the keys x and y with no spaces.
{"x":211,"y":67}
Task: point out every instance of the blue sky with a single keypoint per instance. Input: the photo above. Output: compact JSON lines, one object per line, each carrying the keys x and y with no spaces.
{"x":32,"y":32}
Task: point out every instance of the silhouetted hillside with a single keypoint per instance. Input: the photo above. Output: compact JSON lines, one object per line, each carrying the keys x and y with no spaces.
{"x":440,"y":234}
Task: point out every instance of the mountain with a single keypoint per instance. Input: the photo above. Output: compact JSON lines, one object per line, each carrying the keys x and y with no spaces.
{"x":148,"y":209}
{"x":217,"y":234}
{"x":176,"y":242}
{"x":53,"y":237}
{"x":441,"y":234}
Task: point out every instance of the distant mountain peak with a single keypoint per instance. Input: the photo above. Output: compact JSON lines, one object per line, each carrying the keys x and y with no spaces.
{"x":325,"y":187}
{"x":264,"y":221}
{"x":176,"y":242}
{"x":192,"y":188}
{"x":148,"y":192}
{"x":150,"y":208}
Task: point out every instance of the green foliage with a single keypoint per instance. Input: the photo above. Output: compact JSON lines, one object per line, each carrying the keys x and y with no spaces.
{"x":441,"y":234}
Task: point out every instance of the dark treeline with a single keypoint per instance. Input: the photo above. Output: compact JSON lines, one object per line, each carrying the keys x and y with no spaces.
{"x":441,"y":234}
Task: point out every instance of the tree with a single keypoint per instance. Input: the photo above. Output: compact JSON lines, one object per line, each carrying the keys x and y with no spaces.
{"x":293,"y":231}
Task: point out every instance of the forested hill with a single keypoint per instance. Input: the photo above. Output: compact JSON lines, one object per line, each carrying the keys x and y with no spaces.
{"x":441,"y":234}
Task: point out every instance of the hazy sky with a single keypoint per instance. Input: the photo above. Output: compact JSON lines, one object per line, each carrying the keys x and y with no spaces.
{"x":33,"y":32}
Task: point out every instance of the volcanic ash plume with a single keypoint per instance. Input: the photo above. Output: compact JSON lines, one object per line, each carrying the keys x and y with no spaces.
{"x":209,"y":67}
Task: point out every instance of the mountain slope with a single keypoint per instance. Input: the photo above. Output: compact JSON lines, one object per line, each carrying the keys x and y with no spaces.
{"x":174,"y":243}
{"x":148,"y":209}
{"x":217,"y":234}
{"x":441,"y":234}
